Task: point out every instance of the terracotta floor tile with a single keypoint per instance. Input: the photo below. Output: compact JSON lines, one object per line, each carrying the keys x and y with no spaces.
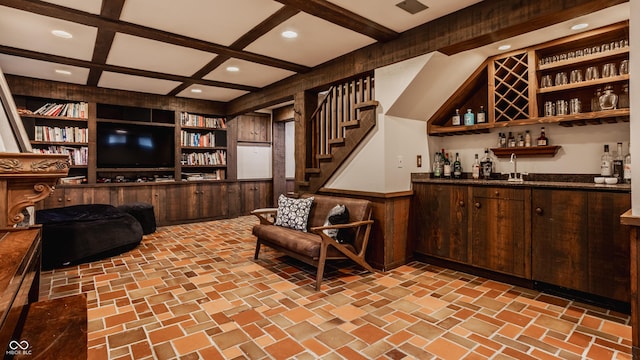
{"x":194,"y":291}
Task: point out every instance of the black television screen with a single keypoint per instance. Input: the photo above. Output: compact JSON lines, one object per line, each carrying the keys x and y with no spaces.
{"x":131,"y":146}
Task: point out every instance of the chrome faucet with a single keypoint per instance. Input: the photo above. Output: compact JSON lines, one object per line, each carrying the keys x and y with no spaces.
{"x":515,"y":175}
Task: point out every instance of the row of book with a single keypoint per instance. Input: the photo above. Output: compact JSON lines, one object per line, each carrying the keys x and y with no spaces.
{"x":61,"y":134}
{"x":76,"y":110}
{"x":197,"y":139}
{"x":205,"y":158}
{"x":187,"y":119}
{"x":218,"y":174}
{"x":77,"y":156}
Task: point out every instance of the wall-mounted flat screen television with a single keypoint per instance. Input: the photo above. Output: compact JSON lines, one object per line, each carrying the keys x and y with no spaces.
{"x":134,"y":146}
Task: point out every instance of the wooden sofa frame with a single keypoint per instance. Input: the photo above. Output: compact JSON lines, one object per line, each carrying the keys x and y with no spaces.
{"x":329,"y":249}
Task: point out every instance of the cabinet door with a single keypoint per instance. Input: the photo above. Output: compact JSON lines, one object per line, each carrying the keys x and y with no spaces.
{"x":501,"y":233}
{"x":559,"y":241}
{"x":213,"y":200}
{"x":441,"y":221}
{"x":609,"y":269}
{"x":254,"y":128}
{"x":181,"y":203}
{"x":255,"y":195}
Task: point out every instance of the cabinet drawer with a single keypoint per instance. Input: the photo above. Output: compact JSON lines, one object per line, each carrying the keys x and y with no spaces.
{"x":499,"y":193}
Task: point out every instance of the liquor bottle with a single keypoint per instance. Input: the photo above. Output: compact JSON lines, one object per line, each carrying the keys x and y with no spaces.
{"x":606,"y":162}
{"x":503,"y":140}
{"x":486,"y":165}
{"x":469,"y":118}
{"x":527,"y":139}
{"x":627,"y":166}
{"x":457,"y":167}
{"x":447,"y":166}
{"x":475,"y":169}
{"x":455,"y":119}
{"x":511,"y":141}
{"x":543,"y":140}
{"x":618,"y":163}
{"x":520,"y":140}
{"x":436,"y":165}
{"x":481,"y":117}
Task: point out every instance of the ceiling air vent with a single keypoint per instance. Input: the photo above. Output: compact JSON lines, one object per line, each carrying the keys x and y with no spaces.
{"x":412,"y":6}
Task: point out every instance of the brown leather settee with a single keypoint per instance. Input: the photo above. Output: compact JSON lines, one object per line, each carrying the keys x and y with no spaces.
{"x":314,"y":247}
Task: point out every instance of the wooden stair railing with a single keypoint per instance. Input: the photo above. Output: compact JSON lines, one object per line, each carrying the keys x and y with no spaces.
{"x":344,"y":117}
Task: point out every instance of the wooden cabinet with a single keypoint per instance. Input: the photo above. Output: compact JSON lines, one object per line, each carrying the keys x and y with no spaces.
{"x":193,"y":201}
{"x":245,"y":196}
{"x":254,"y":128}
{"x":579,"y":243}
{"x":441,"y":221}
{"x":500,"y":230}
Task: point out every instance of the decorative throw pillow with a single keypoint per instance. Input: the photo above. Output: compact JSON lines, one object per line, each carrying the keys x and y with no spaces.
{"x":293,"y":213}
{"x":339,"y":215}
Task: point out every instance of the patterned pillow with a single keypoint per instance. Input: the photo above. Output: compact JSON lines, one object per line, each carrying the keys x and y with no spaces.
{"x":293,"y":213}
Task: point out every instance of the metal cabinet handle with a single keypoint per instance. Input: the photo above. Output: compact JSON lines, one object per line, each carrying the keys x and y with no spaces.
{"x":461,"y":203}
{"x":477,"y":205}
{"x":539,"y":211}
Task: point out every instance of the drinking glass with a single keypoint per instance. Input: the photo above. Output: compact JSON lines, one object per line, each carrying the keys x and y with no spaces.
{"x":592,"y":73}
{"x":624,"y":67}
{"x":549,"y":108}
{"x":545,"y":81}
{"x":575,"y":76}
{"x":609,"y":70}
{"x":575,"y":106}
{"x":561,"y":78}
{"x":562,"y":107}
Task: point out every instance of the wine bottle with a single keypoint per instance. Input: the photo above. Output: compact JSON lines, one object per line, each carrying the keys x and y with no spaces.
{"x":627,"y":166}
{"x":618,"y":163}
{"x":436,"y":165}
{"x":606,"y":162}
{"x":457,"y":167}
{"x":469,"y":118}
{"x":511,"y":141}
{"x":486,"y":165}
{"x":447,"y":166}
{"x":455,"y":119}
{"x":475,"y":169}
{"x":543,"y":140}
{"x":481,"y":117}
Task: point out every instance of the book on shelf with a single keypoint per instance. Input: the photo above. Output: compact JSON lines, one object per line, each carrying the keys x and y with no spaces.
{"x":205,"y":158}
{"x":198,"y":139}
{"x":70,"y":134}
{"x":77,"y":156}
{"x":74,"y":110}
{"x":187,"y":119}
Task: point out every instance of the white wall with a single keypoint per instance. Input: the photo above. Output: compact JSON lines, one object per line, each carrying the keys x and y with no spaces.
{"x":289,"y":150}
{"x":634,"y":89}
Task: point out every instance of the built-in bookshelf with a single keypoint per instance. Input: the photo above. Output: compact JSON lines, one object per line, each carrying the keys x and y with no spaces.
{"x":57,"y":127}
{"x":203,"y":146}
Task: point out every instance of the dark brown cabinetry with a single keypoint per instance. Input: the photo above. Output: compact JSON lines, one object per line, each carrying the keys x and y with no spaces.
{"x":568,"y":238}
{"x":578,"y":242}
{"x":441,"y":217}
{"x":254,"y":128}
{"x":245,"y":196}
{"x":500,"y":238}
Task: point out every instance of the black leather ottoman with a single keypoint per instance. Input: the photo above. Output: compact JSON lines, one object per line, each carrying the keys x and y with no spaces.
{"x":82,"y":233}
{"x":144,"y":213}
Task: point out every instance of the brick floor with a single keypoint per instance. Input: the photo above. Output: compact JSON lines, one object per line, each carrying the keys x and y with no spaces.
{"x":194,"y":291}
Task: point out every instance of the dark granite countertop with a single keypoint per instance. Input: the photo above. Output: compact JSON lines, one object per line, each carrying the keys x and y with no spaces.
{"x":555,"y":181}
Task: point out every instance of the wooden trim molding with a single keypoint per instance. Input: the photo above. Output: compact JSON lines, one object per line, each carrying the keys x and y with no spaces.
{"x":26,"y":179}
{"x":634,"y":253}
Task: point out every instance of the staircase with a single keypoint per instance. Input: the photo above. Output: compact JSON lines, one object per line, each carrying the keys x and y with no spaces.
{"x":342,"y":120}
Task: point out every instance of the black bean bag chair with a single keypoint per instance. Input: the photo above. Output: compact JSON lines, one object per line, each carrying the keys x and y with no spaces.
{"x":83,"y":233}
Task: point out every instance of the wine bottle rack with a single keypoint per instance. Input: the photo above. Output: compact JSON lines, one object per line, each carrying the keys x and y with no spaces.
{"x":511,"y":88}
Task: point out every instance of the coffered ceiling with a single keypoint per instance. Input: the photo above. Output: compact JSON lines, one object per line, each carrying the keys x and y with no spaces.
{"x":188,"y":48}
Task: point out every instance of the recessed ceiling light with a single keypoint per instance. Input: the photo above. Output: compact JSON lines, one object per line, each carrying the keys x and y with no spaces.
{"x":63,"y":72}
{"x":197,"y":91}
{"x":289,"y":34}
{"x":579,"y":26}
{"x":61,"y":33}
{"x":504,"y":47}
{"x":233,"y":68}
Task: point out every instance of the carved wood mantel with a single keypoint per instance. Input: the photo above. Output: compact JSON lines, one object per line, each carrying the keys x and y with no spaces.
{"x":25,"y":179}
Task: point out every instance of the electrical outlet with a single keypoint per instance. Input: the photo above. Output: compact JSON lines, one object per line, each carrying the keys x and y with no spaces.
{"x":400,"y":161}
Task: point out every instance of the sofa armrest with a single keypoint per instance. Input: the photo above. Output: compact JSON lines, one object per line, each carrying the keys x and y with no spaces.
{"x":266,"y":215}
{"x":355,"y":224}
